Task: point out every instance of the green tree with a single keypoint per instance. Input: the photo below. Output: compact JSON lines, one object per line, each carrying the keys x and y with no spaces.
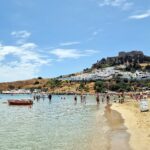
{"x":81,"y":86}
{"x":87,"y":88}
{"x":99,"y":86}
{"x":11,"y":87}
{"x":121,"y":87}
{"x":147,"y":68}
{"x":53,"y":83}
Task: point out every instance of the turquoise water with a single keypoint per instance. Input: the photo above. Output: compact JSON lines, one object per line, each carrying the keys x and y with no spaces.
{"x":57,"y":125}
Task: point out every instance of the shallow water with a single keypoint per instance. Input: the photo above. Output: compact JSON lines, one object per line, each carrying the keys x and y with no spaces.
{"x":118,"y":135}
{"x":57,"y":125}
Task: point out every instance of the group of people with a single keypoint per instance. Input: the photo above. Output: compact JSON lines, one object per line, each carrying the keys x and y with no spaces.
{"x":139,"y":96}
{"x":43,"y":96}
{"x":103,"y":97}
{"x":82,"y":98}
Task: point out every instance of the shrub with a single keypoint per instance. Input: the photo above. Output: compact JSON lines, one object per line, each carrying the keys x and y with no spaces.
{"x":53,"y":83}
{"x":36,"y":82}
{"x":99,"y":86}
{"x":11,"y":87}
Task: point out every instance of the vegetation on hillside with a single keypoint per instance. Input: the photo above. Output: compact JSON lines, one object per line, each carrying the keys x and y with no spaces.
{"x":54,"y":83}
{"x":122,"y":85}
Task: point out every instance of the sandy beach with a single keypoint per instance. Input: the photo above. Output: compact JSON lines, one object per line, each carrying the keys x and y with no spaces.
{"x":137,"y":123}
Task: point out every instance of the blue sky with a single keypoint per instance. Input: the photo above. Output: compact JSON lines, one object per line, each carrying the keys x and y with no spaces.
{"x":50,"y":38}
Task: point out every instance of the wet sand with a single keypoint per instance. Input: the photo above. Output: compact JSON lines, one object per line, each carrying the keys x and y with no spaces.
{"x":118,"y":135}
{"x":138,"y":124}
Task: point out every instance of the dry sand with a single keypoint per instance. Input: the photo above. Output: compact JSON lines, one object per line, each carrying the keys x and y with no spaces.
{"x":137,"y":123}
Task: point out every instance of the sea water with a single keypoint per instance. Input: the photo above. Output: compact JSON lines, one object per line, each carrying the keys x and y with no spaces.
{"x":60,"y":124}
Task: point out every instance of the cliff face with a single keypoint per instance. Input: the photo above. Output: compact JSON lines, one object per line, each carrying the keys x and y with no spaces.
{"x":122,"y":58}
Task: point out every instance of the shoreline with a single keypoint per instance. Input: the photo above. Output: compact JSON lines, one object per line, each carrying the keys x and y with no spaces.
{"x":117,"y":134}
{"x":137,"y":124}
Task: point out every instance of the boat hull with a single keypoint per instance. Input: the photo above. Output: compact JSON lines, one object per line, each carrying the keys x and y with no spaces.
{"x":20,"y":102}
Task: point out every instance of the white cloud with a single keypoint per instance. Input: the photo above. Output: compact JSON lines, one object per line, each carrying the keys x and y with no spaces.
{"x":66,"y":53}
{"x":69,"y":43}
{"x":71,"y":53}
{"x":90,"y":52}
{"x":21,"y":34}
{"x":30,"y":46}
{"x":95,"y":34}
{"x":123,"y":4}
{"x":141,"y":16}
{"x":24,"y":61}
{"x":26,"y":64}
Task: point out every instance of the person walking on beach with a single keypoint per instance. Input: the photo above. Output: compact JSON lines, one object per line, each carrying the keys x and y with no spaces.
{"x":119,"y":97}
{"x":122,"y":97}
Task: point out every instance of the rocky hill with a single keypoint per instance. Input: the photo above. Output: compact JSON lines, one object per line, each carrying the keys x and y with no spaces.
{"x":24,"y":84}
{"x":133,"y":57}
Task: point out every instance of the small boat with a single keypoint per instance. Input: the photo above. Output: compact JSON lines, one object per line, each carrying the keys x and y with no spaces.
{"x":20,"y":102}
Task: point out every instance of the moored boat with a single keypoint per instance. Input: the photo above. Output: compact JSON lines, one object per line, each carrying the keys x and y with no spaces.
{"x":20,"y":102}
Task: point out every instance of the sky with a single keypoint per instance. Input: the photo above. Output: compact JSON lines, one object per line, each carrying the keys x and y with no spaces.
{"x":52,"y":37}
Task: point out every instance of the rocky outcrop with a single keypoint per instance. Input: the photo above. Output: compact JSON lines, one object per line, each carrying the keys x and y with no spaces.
{"x":123,"y":58}
{"x":131,"y":54}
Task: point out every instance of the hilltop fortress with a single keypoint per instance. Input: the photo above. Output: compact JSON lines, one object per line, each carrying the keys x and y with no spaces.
{"x":122,"y":58}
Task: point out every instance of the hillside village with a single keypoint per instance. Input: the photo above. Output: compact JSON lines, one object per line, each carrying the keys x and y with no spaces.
{"x":125,"y":65}
{"x":107,"y":74}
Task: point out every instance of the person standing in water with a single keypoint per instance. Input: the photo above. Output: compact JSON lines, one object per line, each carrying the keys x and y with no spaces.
{"x":108,"y":99}
{"x":97,"y":98}
{"x":84,"y":99}
{"x":75,"y":99}
{"x":49,"y":97}
{"x":81,"y":98}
